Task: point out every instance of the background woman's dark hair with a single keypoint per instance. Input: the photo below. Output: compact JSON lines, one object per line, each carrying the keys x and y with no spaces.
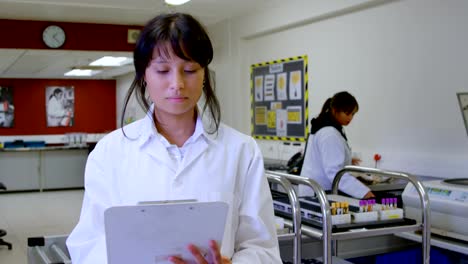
{"x":340,"y":102}
{"x":189,"y":41}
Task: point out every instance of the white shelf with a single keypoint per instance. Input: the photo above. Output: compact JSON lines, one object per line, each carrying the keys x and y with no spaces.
{"x":446,"y":243}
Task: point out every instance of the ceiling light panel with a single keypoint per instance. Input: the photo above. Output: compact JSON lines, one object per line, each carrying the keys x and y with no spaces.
{"x":109,"y":61}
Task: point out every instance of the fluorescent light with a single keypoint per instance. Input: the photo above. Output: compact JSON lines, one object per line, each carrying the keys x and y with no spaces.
{"x":79,"y":72}
{"x":109,"y":61}
{"x":176,"y":2}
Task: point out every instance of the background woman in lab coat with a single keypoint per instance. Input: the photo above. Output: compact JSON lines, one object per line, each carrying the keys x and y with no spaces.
{"x":327,"y":149}
{"x":171,"y":154}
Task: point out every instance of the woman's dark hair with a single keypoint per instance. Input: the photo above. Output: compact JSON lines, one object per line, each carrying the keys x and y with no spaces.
{"x":340,"y":102}
{"x":55,"y":92}
{"x":189,"y":41}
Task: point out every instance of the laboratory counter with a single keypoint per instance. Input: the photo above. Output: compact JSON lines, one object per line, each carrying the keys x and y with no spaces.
{"x":42,"y":168}
{"x":379,"y":183}
{"x":45,"y":148}
{"x":382,"y":187}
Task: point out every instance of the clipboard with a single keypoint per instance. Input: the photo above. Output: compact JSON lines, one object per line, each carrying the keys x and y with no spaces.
{"x":150,"y":233}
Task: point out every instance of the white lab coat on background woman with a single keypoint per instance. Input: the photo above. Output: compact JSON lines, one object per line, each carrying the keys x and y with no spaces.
{"x":328,"y":152}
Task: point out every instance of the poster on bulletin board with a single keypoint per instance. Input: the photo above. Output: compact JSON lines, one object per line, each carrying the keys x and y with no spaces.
{"x":279,"y":99}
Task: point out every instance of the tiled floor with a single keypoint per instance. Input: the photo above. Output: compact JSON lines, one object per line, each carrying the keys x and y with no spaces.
{"x":34,"y":214}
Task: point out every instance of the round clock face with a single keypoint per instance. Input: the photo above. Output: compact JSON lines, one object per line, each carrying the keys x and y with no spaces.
{"x":53,"y":36}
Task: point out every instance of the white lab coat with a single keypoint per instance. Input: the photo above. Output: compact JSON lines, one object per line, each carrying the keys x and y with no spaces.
{"x":224,"y":167}
{"x":55,"y":112}
{"x":328,"y":152}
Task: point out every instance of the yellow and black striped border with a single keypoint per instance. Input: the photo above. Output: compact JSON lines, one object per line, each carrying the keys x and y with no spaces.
{"x":306,"y":99}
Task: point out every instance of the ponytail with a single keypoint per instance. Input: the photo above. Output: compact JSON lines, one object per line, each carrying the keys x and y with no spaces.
{"x":326,"y":108}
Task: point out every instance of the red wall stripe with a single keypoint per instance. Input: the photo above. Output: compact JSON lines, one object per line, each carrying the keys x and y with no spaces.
{"x":95,"y":106}
{"x":24,"y":34}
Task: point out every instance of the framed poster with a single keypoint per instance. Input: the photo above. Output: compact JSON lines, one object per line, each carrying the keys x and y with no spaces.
{"x":279,"y":99}
{"x":60,"y":105}
{"x":463,"y":101}
{"x":7,"y":108}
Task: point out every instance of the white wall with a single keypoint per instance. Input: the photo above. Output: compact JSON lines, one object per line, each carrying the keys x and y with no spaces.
{"x":133,"y":108}
{"x":403,"y":60}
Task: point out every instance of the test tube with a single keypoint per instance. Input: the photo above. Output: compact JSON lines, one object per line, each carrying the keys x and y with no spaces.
{"x":361,"y":206}
{"x":395,"y":203}
{"x":333,"y":208}
{"x":384,"y":201}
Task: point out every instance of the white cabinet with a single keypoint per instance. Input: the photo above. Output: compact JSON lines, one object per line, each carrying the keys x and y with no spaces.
{"x":63,"y":168}
{"x":20,"y":170}
{"x":42,"y":168}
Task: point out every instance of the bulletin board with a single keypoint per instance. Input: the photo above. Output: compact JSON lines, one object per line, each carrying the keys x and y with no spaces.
{"x":279,"y":99}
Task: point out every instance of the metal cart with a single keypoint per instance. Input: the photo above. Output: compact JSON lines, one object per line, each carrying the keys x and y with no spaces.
{"x":296,"y":216}
{"x":328,"y":237}
{"x":48,"y":250}
{"x":324,"y":207}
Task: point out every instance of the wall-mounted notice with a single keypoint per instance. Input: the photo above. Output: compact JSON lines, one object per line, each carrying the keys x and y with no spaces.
{"x":279,"y":99}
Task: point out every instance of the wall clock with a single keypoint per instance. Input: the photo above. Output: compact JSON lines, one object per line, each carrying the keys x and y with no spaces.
{"x":53,"y":36}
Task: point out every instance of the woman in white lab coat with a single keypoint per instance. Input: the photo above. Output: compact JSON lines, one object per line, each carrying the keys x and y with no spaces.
{"x":327,"y":149}
{"x":171,"y":154}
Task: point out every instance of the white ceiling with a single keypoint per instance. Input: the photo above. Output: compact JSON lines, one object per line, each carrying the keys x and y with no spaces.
{"x":19,"y":63}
